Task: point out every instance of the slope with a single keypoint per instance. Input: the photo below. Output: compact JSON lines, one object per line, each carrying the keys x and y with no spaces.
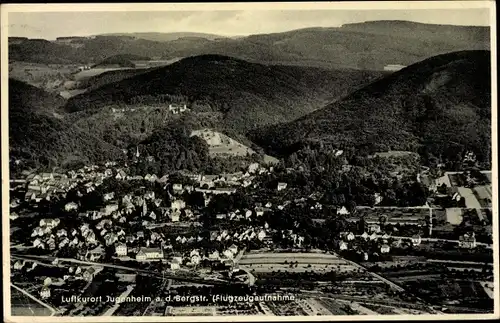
{"x":439,"y":107}
{"x":121,"y":60}
{"x":247,"y":94}
{"x":38,"y":138}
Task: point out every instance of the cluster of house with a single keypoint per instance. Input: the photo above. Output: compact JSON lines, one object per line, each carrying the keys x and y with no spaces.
{"x":86,"y":273}
{"x":376,"y":219}
{"x":296,"y":239}
{"x":146,"y":209}
{"x":84,"y":68}
{"x":48,"y":186}
{"x":241,"y":234}
{"x":177,"y":108}
{"x":350,"y":241}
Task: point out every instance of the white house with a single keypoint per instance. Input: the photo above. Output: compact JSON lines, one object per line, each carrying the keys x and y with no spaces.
{"x":214,"y":255}
{"x":177,"y":188}
{"x":109,"y":196}
{"x":174,"y":216}
{"x":37,"y":243}
{"x":281,"y":186}
{"x":121,"y":249}
{"x":385,"y":248}
{"x":19,"y":264}
{"x":259,"y":211}
{"x":233,"y":248}
{"x":178,"y":205}
{"x":252,"y":168}
{"x":110,"y":208}
{"x":141,"y":255}
{"x":47,"y":281}
{"x":61,"y":232}
{"x":45,"y":292}
{"x":343,"y":246}
{"x":176,"y":262}
{"x":153,"y":253}
{"x":416,"y":240}
{"x":261,"y":235}
{"x":195,"y":259}
{"x":467,"y":241}
{"x":228,"y":254}
{"x":71,"y":206}
{"x":374,"y":228}
{"x":342,"y":211}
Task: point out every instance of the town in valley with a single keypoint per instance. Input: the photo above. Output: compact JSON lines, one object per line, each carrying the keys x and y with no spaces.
{"x":344,"y":169}
{"x":108,"y":234}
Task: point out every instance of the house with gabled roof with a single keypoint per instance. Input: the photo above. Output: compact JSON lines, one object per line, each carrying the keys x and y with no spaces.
{"x":343,"y":211}
{"x":416,"y":240}
{"x":45,"y":292}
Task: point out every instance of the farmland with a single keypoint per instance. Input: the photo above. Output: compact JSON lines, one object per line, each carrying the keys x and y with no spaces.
{"x":294,"y":262}
{"x":83,"y":75}
{"x":50,"y":77}
{"x":446,"y":222}
{"x":483,"y":195}
{"x":474,"y":187}
{"x":466,"y":293}
{"x":23,"y":305}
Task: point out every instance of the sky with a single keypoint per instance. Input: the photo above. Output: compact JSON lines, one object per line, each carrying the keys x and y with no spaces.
{"x":49,"y":25}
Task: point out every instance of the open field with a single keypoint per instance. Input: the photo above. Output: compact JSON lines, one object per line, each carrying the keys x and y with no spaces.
{"x":156,"y":63}
{"x":454,"y":216}
{"x":83,"y":75}
{"x":263,"y":268}
{"x":332,"y":306}
{"x":221,"y":145}
{"x":23,"y":305}
{"x":301,"y":258}
{"x":393,"y":215}
{"x":477,"y":197}
{"x":471,"y":201}
{"x":483,"y":195}
{"x":487,"y":174}
{"x":50,"y":77}
{"x":267,"y":262}
{"x":448,"y":292}
{"x":70,"y":93}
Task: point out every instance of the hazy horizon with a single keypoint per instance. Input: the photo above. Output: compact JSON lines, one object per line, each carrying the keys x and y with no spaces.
{"x":47,"y":25}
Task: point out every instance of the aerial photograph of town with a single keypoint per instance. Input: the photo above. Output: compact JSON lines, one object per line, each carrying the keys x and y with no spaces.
{"x":194,"y":163}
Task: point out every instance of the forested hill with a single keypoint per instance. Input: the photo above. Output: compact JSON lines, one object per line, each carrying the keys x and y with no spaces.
{"x":439,"y":107}
{"x":248,"y":94}
{"x":369,"y":45}
{"x":38,"y":137}
{"x":28,"y":98}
